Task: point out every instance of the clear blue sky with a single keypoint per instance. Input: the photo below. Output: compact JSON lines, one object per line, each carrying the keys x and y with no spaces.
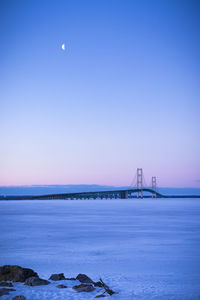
{"x":124,"y":94}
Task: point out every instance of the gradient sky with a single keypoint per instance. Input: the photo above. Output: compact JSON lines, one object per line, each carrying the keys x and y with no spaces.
{"x":124,"y":94}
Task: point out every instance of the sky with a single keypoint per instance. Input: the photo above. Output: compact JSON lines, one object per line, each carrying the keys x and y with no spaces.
{"x":123,"y":95}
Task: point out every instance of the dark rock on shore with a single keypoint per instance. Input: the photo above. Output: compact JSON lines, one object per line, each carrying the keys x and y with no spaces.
{"x":84,"y":278}
{"x":61,"y":286}
{"x":83,"y":288}
{"x":4,"y":283}
{"x":57,"y":277}
{"x":16,"y":273}
{"x":30,"y":278}
{"x":5,"y":291}
{"x":34,"y":281}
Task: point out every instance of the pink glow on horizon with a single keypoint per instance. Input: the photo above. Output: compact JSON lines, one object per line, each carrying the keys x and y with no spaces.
{"x":117,"y":178}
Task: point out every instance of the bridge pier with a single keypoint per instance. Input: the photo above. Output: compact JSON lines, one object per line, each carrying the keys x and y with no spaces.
{"x":123,"y":195}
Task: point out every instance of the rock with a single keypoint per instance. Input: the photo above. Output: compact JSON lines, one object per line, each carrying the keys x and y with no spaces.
{"x":83,"y":288}
{"x":16,"y":273}
{"x":98,"y":283}
{"x":34,"y":281}
{"x":5,"y":291}
{"x":100,"y":296}
{"x":57,"y":277}
{"x":61,"y":286}
{"x":84,"y":278}
{"x":20,"y":297}
{"x":71,"y":278}
{"x":4,"y":283}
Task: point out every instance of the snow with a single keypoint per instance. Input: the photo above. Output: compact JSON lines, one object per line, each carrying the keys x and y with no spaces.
{"x":143,"y":249}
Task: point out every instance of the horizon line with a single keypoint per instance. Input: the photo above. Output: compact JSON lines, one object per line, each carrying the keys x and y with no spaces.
{"x":85,"y":184}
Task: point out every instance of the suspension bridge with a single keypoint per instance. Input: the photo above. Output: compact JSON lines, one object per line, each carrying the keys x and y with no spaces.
{"x":137,"y":189}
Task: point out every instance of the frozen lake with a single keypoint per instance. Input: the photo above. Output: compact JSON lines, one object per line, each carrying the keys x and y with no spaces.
{"x":143,"y":249}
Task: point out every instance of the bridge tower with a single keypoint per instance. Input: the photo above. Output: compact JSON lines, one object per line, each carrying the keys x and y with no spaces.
{"x":154,"y":187}
{"x":140,"y":182}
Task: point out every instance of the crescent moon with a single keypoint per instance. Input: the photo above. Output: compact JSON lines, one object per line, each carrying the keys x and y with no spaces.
{"x":63,"y":47}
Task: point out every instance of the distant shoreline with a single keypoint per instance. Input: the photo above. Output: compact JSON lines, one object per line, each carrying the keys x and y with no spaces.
{"x":45,"y":197}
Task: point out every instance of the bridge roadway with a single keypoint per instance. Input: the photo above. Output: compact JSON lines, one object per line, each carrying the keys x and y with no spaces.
{"x":122,"y":194}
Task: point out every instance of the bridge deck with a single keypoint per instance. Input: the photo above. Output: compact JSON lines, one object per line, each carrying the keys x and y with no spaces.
{"x":120,"y":193}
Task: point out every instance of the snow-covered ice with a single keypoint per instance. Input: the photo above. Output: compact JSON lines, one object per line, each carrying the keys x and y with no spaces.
{"x":143,"y":249}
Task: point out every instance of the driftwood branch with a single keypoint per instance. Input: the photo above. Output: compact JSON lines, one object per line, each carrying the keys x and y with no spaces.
{"x":107,"y":289}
